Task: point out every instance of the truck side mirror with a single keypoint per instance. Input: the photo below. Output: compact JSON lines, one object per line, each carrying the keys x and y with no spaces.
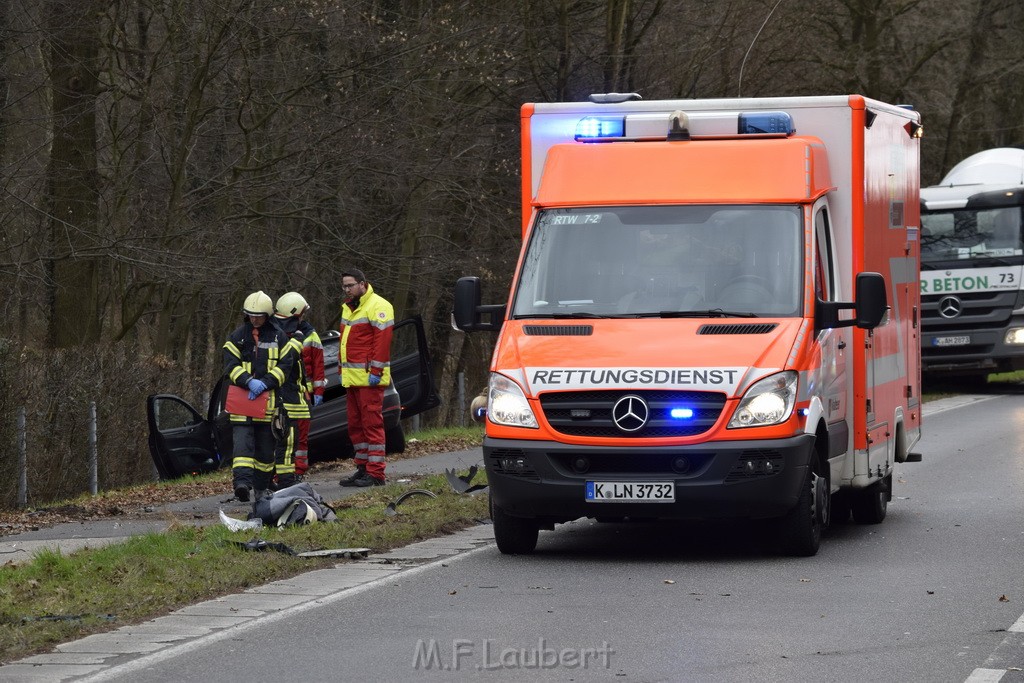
{"x":467,"y":313}
{"x":871,"y":303}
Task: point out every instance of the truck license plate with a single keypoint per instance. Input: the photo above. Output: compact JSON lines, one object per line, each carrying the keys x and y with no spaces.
{"x":630,"y":492}
{"x":951,"y":341}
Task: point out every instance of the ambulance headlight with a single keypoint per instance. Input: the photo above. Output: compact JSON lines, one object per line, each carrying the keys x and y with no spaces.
{"x":1015,"y":336}
{"x":768,"y":402}
{"x":507,"y":404}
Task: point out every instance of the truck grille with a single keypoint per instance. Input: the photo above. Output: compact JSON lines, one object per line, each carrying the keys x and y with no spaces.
{"x":589,"y":413}
{"x":984,"y":318}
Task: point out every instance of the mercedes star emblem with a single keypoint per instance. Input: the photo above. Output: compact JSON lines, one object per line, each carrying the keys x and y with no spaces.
{"x":950,"y":306}
{"x":630,"y":413}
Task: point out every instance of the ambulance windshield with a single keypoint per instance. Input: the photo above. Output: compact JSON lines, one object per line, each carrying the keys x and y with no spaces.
{"x":959,"y":234}
{"x":663,"y":260}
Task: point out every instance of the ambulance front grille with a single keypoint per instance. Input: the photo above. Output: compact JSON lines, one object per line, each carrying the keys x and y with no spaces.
{"x":589,"y":413}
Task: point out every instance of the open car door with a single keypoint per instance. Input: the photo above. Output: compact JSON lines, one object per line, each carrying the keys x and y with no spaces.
{"x":180,"y":439}
{"x":410,"y":367}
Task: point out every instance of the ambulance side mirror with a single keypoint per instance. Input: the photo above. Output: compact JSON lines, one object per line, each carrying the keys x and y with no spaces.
{"x":871,"y":303}
{"x":468,"y":314}
{"x":869,"y":307}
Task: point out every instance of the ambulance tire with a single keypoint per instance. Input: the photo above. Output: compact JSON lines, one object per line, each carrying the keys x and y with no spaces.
{"x":801,"y":528}
{"x":870,"y":505}
{"x":514,"y":535}
{"x":840,"y":508}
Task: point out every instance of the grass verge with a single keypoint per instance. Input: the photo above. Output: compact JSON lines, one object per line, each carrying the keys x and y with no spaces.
{"x":57,"y":598}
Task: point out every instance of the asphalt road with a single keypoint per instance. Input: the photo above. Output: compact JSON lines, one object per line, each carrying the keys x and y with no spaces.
{"x":935,"y":593}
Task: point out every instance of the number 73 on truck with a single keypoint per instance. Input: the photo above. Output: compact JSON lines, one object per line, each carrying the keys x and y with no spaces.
{"x":715,"y":314}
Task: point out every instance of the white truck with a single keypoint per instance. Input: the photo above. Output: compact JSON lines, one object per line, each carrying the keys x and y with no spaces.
{"x":971,"y":267}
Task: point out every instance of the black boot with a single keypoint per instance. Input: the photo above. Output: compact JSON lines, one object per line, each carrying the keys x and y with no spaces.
{"x":358,"y":474}
{"x":242,"y":492}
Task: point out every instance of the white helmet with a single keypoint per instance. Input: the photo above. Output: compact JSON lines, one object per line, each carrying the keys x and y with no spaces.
{"x":291,"y":304}
{"x":298,"y":512}
{"x":258,"y":303}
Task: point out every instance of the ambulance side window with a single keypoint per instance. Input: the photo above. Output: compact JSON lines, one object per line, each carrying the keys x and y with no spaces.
{"x":824,"y":268}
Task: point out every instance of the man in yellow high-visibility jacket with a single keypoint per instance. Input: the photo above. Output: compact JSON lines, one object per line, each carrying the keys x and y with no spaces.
{"x":364,"y":361}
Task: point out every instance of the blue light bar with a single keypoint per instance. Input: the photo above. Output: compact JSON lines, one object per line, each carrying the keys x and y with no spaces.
{"x":681,"y":413}
{"x":592,"y":127}
{"x":760,"y":122}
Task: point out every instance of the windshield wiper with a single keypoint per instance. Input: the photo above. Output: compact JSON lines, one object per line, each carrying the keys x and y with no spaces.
{"x":709,"y":313}
{"x":563,"y":316}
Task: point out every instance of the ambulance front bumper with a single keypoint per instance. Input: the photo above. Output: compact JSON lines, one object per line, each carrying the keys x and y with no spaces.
{"x":551,"y":482}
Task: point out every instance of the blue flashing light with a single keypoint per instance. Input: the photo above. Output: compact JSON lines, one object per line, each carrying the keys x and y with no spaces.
{"x":760,"y":122}
{"x":681,"y":413}
{"x":593,"y":127}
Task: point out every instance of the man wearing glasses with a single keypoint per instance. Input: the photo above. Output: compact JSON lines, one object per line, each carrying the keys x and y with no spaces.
{"x":364,"y":362}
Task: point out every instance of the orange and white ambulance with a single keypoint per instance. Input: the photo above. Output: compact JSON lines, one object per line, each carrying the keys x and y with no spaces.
{"x":715,"y":314}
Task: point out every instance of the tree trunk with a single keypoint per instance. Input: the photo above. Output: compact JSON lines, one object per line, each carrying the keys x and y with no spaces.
{"x":72,"y":179}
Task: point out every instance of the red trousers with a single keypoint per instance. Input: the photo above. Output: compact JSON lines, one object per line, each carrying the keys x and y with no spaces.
{"x":366,"y":427}
{"x":302,"y":450}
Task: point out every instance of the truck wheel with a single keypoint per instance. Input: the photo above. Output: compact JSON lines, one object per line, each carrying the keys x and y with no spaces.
{"x":801,"y":528}
{"x":870,"y":505}
{"x":514,"y":535}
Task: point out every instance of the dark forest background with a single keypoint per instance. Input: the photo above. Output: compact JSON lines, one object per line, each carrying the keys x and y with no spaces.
{"x":160,"y":159}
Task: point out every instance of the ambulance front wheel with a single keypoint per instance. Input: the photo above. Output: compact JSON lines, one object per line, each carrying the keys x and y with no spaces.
{"x":801,"y":529}
{"x":514,"y":535}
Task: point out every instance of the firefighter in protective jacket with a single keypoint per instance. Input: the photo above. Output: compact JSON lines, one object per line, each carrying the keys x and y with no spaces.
{"x":293,"y":451}
{"x":364,"y":361}
{"x":258,"y":357}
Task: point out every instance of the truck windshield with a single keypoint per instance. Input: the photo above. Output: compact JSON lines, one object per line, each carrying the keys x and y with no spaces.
{"x":971,"y":234}
{"x":663,"y":260}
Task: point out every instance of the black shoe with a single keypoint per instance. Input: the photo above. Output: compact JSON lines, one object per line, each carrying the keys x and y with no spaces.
{"x":242,"y":493}
{"x":351,"y":480}
{"x":367,"y":480}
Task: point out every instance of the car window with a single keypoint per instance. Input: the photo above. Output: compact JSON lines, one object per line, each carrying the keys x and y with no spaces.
{"x":330,"y":344}
{"x":404,"y":342}
{"x":174,"y":415}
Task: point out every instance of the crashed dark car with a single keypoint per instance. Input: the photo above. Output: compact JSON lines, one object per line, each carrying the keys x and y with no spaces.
{"x":182,"y":441}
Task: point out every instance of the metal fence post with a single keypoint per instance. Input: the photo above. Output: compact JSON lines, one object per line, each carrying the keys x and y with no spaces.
{"x":22,"y":460}
{"x":93,"y":474}
{"x":462,"y":399}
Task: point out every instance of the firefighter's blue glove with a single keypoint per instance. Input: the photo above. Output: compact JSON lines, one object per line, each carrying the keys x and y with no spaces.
{"x":374,"y":380}
{"x":256,"y":387}
{"x":317,"y":399}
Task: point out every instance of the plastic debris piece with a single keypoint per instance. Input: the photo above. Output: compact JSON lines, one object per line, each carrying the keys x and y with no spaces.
{"x":391,"y":510}
{"x":462,"y":484}
{"x":351,"y":553}
{"x":240,"y":524}
{"x":259,"y":545}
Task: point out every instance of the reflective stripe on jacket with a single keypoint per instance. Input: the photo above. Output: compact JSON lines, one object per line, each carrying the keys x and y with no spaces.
{"x":365,"y":346}
{"x":270,"y":361}
{"x":292,"y":393}
{"x":312,"y":360}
